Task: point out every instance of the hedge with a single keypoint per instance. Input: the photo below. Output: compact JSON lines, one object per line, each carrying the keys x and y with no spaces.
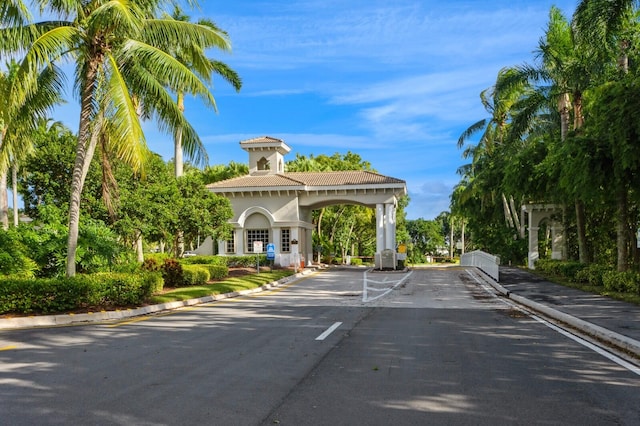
{"x":194,"y":275}
{"x":593,"y":274}
{"x":204,"y":260}
{"x":50,"y":295}
{"x":216,"y":272}
{"x":621,"y":282}
{"x":562,"y":268}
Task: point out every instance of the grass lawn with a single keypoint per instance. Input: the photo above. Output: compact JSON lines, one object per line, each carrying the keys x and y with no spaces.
{"x":228,"y":285}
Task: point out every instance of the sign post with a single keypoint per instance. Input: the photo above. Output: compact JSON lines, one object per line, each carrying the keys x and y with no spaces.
{"x":257,"y":249}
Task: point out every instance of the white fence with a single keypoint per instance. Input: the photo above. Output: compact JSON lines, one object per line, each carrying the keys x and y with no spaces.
{"x":486,"y":262}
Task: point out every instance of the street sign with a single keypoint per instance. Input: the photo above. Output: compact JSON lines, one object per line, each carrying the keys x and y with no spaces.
{"x":257,"y":246}
{"x":271,"y":251}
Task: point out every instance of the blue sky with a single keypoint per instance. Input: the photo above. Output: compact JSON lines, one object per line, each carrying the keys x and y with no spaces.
{"x":395,"y":82}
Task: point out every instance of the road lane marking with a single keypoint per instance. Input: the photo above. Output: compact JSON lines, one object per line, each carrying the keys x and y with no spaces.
{"x":386,"y":290}
{"x":328,"y":331}
{"x":8,"y":348}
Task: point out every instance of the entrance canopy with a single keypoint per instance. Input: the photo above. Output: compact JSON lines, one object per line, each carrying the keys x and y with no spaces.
{"x":274,"y":205}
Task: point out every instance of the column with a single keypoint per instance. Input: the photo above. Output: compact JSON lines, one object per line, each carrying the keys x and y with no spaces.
{"x":557,"y":241}
{"x":533,"y":245}
{"x":379,"y":228}
{"x":239,"y":241}
{"x":390,"y":227}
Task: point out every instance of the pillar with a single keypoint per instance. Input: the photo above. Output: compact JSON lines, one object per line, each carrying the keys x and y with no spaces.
{"x":390,"y":227}
{"x":380,"y":245}
{"x":533,"y":245}
{"x":557,"y":241}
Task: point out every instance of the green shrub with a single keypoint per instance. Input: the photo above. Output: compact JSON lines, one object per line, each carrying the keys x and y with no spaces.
{"x":172,"y":273}
{"x":592,"y":274}
{"x":561,"y":268}
{"x":246,"y":261}
{"x":13,"y":255}
{"x":153,"y":282}
{"x":356,"y":261}
{"x":204,"y":260}
{"x":194,"y":275}
{"x":60,"y":294}
{"x":216,"y":272}
{"x":159,"y":258}
{"x":621,"y":282}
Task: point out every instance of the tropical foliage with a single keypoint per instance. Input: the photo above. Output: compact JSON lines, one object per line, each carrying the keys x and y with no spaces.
{"x":124,"y":64}
{"x":562,"y":130}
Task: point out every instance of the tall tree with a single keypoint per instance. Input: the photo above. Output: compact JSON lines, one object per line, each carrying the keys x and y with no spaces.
{"x":119,"y":50}
{"x":566,"y":70}
{"x":612,"y":26}
{"x":195,"y":58}
{"x":20,"y":113}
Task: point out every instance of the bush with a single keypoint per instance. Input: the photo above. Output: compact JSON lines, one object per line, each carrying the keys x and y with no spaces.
{"x":216,"y":272}
{"x":204,"y":260}
{"x":159,"y":258}
{"x":150,"y":264}
{"x":356,"y":261}
{"x":621,"y":282}
{"x":60,"y":294}
{"x":194,"y":275}
{"x":13,"y":255}
{"x":561,"y":268}
{"x":245,"y":261}
{"x":592,"y":274}
{"x":172,"y":273}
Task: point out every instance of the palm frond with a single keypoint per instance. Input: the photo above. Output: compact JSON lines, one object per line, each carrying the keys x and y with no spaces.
{"x":126,"y":134}
{"x":471,"y":130}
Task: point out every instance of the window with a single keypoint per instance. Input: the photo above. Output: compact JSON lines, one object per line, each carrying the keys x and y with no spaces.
{"x":231,"y":243}
{"x":263,"y":164}
{"x":285,"y":235}
{"x":257,"y":235}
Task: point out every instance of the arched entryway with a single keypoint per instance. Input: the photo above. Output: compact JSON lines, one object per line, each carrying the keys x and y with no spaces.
{"x":288,"y":199}
{"x":549,"y":215}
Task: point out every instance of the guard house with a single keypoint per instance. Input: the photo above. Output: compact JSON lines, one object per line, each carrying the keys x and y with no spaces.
{"x":274,"y":207}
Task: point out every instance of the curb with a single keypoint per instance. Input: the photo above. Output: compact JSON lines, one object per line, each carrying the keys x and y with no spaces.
{"x":118,"y":314}
{"x":614,"y":339}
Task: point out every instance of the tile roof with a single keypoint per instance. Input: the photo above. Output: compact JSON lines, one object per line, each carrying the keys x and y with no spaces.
{"x":302,"y":180}
{"x":261,"y":139}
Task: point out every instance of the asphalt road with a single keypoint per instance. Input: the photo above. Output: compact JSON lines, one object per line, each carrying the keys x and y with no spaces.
{"x":340,"y":347}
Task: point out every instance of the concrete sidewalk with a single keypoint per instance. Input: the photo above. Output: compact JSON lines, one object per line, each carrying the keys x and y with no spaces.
{"x":615,"y":322}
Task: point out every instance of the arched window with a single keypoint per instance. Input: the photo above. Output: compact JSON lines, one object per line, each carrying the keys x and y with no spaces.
{"x":263,"y":164}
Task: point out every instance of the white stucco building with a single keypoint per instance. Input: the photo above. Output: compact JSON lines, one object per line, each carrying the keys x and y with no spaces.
{"x":273,"y":206}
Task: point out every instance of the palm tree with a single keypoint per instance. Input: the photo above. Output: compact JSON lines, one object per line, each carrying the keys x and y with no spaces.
{"x":567,"y":68}
{"x":118,"y":52}
{"x":611,"y":25}
{"x":195,"y":58}
{"x":499,"y":104}
{"x":499,"y":101}
{"x":19,"y":117}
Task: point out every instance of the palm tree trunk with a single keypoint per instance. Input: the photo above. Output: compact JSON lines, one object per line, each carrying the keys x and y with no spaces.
{"x":563,"y":108}
{"x":178,"y":159}
{"x":4,"y":201}
{"x":85,"y":148}
{"x":14,"y":185}
{"x":451,"y":238}
{"x":178,"y":154}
